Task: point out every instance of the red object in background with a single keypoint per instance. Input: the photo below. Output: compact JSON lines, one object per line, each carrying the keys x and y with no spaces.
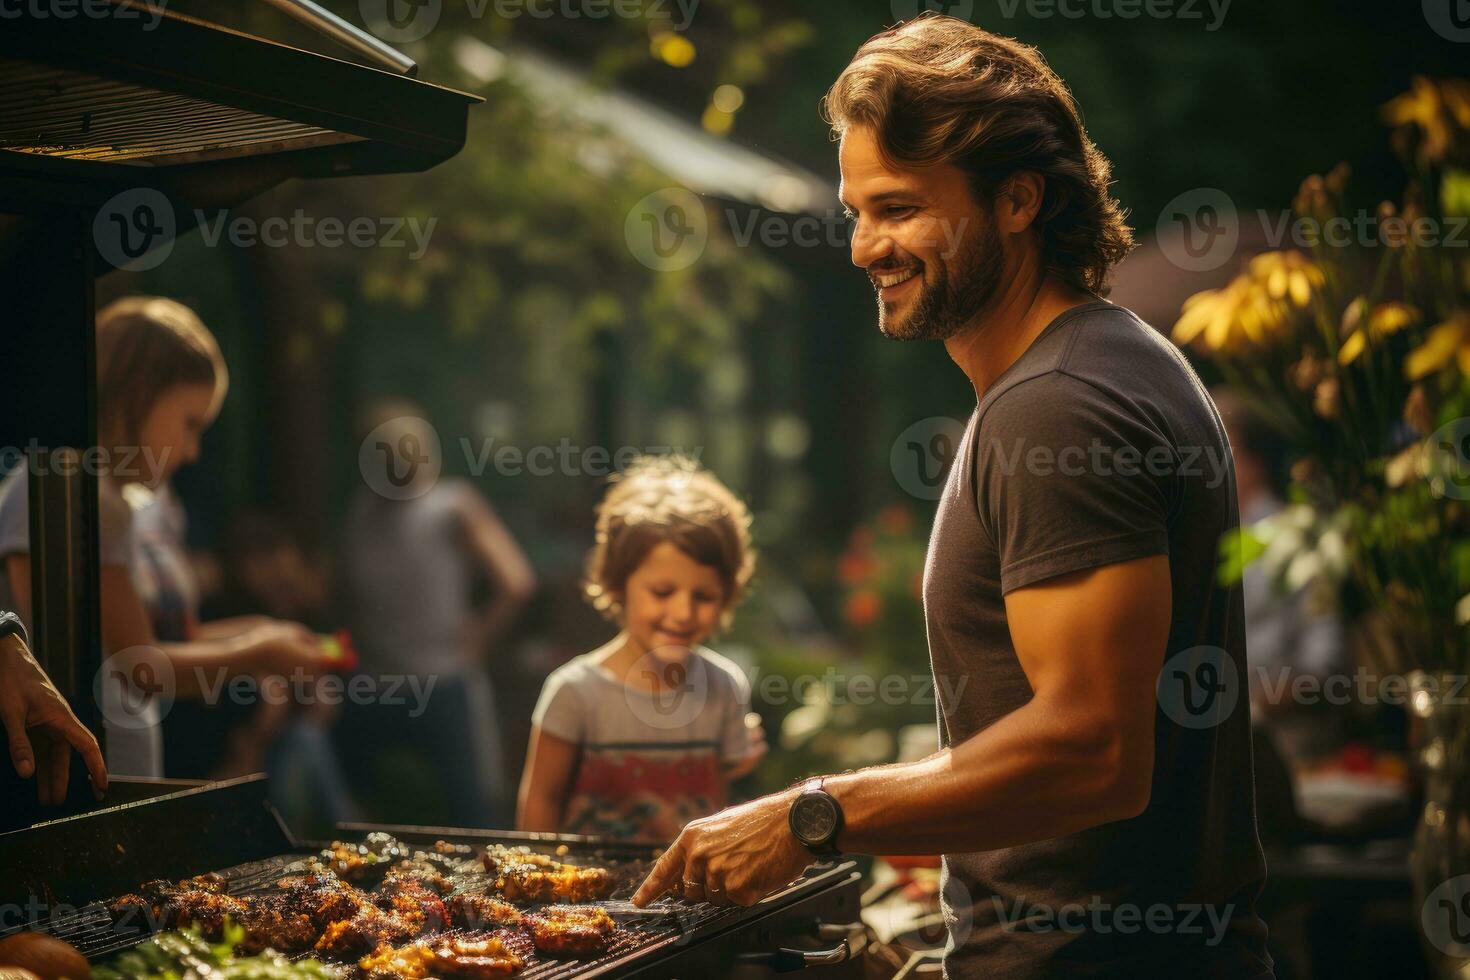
{"x":340,"y":651}
{"x":1357,"y":757}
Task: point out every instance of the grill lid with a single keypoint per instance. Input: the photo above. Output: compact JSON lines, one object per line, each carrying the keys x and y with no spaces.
{"x":144,"y":95}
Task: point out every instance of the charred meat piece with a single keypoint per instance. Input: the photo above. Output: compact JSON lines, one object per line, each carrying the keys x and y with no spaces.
{"x":363,"y":862}
{"x":323,"y":897}
{"x":365,"y":931}
{"x":275,"y":922}
{"x":555,"y":883}
{"x":415,"y":902}
{"x":498,"y":856}
{"x":476,"y":910}
{"x":487,"y":957}
{"x":205,"y":910}
{"x":571,"y":930}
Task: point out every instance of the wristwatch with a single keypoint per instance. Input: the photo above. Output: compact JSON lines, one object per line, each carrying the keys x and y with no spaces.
{"x":816,"y":819}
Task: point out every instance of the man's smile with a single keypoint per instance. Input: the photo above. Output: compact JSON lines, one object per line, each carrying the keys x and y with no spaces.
{"x":889,"y":284}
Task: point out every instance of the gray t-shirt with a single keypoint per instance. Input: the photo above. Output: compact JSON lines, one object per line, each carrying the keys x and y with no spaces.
{"x":131,"y":719}
{"x":650,"y":762}
{"x":1100,"y":445}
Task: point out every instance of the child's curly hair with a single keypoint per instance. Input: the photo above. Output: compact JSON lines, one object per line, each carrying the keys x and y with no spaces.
{"x":668,"y":498}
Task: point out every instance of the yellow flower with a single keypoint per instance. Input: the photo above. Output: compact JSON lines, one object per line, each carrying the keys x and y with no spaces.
{"x":1437,"y":112}
{"x":1448,"y":341}
{"x":1288,"y":275}
{"x":1383,"y":320}
{"x":1255,"y":308}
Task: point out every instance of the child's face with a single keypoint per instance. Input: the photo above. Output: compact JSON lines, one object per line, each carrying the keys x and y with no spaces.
{"x":671,"y":602}
{"x":170,"y":434}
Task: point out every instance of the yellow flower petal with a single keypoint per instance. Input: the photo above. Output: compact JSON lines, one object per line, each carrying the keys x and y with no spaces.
{"x":1352,"y":347}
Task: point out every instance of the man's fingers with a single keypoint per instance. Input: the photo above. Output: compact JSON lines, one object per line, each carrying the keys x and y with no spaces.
{"x":86,"y":745}
{"x":58,"y":770}
{"x":21,"y":753}
{"x":662,"y":877}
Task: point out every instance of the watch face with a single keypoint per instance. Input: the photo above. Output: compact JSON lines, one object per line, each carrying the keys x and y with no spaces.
{"x":814,"y":818}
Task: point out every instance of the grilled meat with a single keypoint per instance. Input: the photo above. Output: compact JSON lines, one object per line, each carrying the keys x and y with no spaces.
{"x":476,"y":910}
{"x":488,"y":957}
{"x":365,"y":931}
{"x":415,"y":903}
{"x":498,"y":856}
{"x":554,"y":883}
{"x":275,"y":922}
{"x":571,"y":930}
{"x":323,"y":897}
{"x":363,"y":862}
{"x":204,"y":910}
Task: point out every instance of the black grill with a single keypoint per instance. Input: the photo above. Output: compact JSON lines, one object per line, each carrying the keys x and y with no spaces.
{"x":156,"y":838}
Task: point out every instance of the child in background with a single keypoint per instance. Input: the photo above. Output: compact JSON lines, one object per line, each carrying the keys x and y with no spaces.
{"x":646,"y":733}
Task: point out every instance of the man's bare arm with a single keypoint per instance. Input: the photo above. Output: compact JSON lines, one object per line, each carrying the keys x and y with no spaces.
{"x":1078,"y":755}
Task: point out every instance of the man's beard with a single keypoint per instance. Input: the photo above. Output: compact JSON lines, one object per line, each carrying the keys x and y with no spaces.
{"x":962,"y":285}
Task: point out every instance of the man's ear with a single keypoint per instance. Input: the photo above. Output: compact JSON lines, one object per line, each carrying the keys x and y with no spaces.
{"x":1018,"y":201}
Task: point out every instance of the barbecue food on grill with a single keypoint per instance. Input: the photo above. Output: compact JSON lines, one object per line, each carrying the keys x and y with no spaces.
{"x":455,"y":957}
{"x":498,"y":856}
{"x":363,"y":862}
{"x":407,"y":896}
{"x":571,"y":930}
{"x":171,"y":955}
{"x":323,"y":897}
{"x":369,"y":928}
{"x":553,"y":883}
{"x":200,"y":901}
{"x":275,"y":922}
{"x":46,"y":956}
{"x":476,"y":910}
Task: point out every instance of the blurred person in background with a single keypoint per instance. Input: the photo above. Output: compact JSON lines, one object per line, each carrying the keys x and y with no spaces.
{"x":266,"y":733}
{"x":160,"y":382}
{"x":416,"y":553}
{"x":1285,"y":637}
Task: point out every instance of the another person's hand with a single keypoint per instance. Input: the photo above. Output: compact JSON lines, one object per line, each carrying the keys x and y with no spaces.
{"x":282,"y":648}
{"x":41,"y":727}
{"x":734,"y":857}
{"x":756,"y":748}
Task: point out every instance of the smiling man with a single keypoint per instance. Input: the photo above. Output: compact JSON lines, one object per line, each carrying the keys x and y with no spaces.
{"x":1093,"y":794}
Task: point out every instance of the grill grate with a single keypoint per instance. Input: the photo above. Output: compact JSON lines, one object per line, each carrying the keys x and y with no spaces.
{"x":59,"y":112}
{"x":90,"y":928}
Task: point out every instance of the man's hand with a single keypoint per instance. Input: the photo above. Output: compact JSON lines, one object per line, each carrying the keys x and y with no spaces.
{"x":39,"y":724}
{"x":734,"y":857}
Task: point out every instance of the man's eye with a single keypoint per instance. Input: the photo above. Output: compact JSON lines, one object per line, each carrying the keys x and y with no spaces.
{"x":898,"y":210}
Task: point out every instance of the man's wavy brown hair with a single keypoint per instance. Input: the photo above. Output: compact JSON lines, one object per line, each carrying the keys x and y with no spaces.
{"x":939,"y":90}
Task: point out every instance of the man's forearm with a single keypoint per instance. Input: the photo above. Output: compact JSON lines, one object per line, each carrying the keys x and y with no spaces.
{"x":1024,"y":779}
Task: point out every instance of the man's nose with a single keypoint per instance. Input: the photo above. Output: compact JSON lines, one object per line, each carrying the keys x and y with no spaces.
{"x":868,"y":244}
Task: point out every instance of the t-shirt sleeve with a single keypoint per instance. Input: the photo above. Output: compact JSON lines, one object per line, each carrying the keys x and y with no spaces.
{"x":559,"y":709}
{"x":734,"y":742}
{"x":115,"y":522}
{"x":1069,"y":478}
